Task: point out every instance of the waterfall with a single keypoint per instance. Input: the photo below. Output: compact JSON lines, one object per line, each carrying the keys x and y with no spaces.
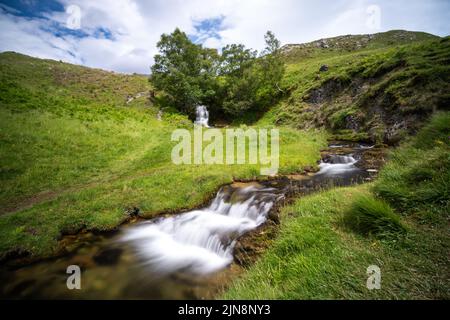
{"x":337,"y":164}
{"x":202,"y":116}
{"x":202,"y":241}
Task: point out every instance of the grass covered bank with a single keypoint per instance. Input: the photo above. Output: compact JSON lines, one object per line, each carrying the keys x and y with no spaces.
{"x":318,"y":254}
{"x":74,"y":155}
{"x":88,"y":174}
{"x":315,"y":256}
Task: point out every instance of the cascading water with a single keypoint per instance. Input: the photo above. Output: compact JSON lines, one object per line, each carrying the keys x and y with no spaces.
{"x":337,"y":164}
{"x":202,"y":241}
{"x":178,"y":256}
{"x":202,"y":116}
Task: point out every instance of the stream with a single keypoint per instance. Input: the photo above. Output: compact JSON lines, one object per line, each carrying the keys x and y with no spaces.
{"x":183,"y":256}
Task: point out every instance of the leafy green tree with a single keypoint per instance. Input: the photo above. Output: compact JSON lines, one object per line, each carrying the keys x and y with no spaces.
{"x":252,"y":83}
{"x":209,"y":80}
{"x":273,"y":45}
{"x":271,"y":69}
{"x":236,"y":88}
{"x":181,"y":69}
{"x":235,"y":59}
{"x":233,"y":82}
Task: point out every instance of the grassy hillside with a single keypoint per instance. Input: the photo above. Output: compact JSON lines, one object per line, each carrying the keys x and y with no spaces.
{"x":293,"y":53}
{"x":380,"y":87}
{"x":75,"y":155}
{"x":63,"y":124}
{"x":80,"y":148}
{"x":399,"y":223}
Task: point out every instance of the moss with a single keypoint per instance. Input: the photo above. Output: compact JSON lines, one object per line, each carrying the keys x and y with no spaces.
{"x":350,"y":135}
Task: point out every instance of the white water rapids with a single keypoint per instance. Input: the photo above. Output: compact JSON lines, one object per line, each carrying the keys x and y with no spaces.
{"x":202,"y":241}
{"x":337,"y":164}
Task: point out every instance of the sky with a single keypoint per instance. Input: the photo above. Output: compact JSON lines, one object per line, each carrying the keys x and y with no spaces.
{"x":121,"y":35}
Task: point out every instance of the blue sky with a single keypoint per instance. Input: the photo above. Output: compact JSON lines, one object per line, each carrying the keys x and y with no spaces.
{"x":121,"y":35}
{"x":208,"y":28}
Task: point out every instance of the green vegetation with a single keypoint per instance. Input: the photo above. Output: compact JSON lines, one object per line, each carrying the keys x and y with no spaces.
{"x":316,"y":255}
{"x":230,"y":83}
{"x":380,"y":89}
{"x":417,"y":178}
{"x":74,"y":158}
{"x":79,"y":147}
{"x":370,"y":216}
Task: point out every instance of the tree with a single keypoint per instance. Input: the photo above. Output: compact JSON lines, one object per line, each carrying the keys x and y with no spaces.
{"x":273,"y":45}
{"x":235,"y":59}
{"x":233,"y":82}
{"x":209,"y":79}
{"x":271,"y":68}
{"x":237,"y":86}
{"x":181,"y":69}
{"x":252,"y":83}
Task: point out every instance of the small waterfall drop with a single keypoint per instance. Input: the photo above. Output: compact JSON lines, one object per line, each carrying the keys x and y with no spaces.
{"x":202,"y":241}
{"x":337,"y":164}
{"x":202,"y":116}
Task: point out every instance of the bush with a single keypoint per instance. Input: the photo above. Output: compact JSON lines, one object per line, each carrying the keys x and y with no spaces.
{"x":370,"y":216}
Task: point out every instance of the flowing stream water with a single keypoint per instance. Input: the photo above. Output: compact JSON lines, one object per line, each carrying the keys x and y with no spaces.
{"x":176,"y":256}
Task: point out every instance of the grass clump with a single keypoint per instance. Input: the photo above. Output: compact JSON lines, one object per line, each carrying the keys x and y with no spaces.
{"x":370,"y":216}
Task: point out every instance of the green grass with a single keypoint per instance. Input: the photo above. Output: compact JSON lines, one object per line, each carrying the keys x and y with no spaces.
{"x":315,"y":257}
{"x":350,"y":43}
{"x":318,"y":254}
{"x":143,"y":176}
{"x":73,"y":158}
{"x":41,"y":151}
{"x":417,"y":178}
{"x":370,"y":216}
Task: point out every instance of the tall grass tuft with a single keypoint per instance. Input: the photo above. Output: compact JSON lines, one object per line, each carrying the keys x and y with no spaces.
{"x":370,"y":216}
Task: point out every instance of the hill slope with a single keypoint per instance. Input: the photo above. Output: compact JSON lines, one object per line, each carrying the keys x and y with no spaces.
{"x":379,"y":91}
{"x":351,"y":43}
{"x":71,"y":144}
{"x":74,"y":155}
{"x":78,"y":154}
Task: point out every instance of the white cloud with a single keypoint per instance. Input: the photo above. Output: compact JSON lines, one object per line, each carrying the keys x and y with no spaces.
{"x":136,"y":26}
